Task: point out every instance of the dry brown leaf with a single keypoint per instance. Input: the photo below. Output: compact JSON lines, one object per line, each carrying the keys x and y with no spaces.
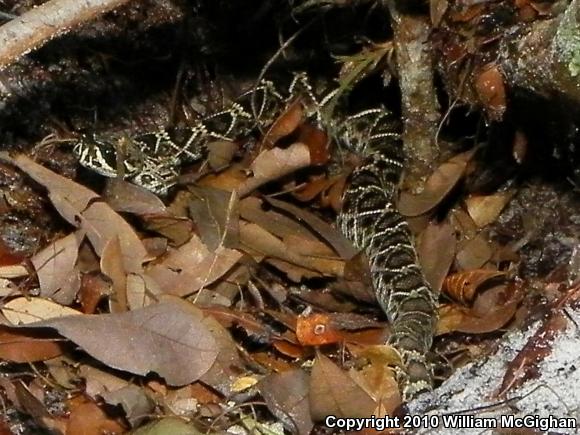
{"x":286,"y":395}
{"x":23,"y":311}
{"x":462,"y":286}
{"x":130,"y":198}
{"x":177,"y":229}
{"x":463,"y":224}
{"x":55,"y":267}
{"x":474,"y":253}
{"x":334,"y":392}
{"x":112,"y":267}
{"x":215,"y":213}
{"x":436,"y":253}
{"x":331,"y":235}
{"x":191,"y":267}
{"x":266,"y":244}
{"x":94,"y":287}
{"x":228,"y":364}
{"x":16,"y":271}
{"x":252,"y":210}
{"x":81,"y":207}
{"x":378,"y":378}
{"x":485,"y":209}
{"x":439,"y":184}
{"x":437,"y":9}
{"x":284,"y":125}
{"x":117,"y":391}
{"x":274,"y":164}
{"x":27,"y":346}
{"x":228,"y":317}
{"x":134,"y":402}
{"x":314,"y":187}
{"x":220,"y":153}
{"x":229,"y":179}
{"x":168,"y":426}
{"x":169,"y":338}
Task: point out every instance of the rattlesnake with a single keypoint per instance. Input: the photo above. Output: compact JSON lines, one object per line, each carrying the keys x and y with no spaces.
{"x":369,"y":217}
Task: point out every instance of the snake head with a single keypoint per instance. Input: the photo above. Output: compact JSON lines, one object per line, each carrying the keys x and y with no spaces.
{"x":109,"y":158}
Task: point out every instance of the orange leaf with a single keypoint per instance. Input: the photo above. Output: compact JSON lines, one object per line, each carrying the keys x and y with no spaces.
{"x":88,"y":419}
{"x":285,"y":124}
{"x":27,"y":346}
{"x":317,"y":329}
{"x":490,"y":88}
{"x":317,"y":142}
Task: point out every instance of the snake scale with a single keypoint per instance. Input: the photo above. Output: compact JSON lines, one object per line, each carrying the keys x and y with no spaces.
{"x":369,"y":218}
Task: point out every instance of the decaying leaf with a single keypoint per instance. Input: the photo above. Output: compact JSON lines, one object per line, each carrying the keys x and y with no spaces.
{"x":378,"y":376}
{"x":168,"y":338}
{"x":220,"y":153}
{"x":55,"y":267}
{"x":257,"y":240}
{"x":439,"y":184}
{"x":334,"y":392}
{"x":190,"y":267}
{"x":228,"y":364}
{"x":286,"y":395}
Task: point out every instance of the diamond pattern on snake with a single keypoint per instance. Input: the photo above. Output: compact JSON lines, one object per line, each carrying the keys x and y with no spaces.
{"x":369,"y":218}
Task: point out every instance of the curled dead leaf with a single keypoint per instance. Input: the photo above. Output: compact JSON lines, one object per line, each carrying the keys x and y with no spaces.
{"x":491,"y":311}
{"x":462,"y":286}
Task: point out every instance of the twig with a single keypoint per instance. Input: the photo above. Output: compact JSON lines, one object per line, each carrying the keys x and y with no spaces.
{"x":34,"y":28}
{"x":419,"y":99}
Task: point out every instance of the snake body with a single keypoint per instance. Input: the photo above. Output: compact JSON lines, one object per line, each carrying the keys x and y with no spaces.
{"x":369,"y":217}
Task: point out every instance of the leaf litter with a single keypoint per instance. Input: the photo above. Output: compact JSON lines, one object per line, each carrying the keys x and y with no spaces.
{"x":239,"y":288}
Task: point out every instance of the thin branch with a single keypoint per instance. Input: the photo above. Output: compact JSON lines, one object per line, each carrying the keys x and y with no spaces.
{"x":39,"y":25}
